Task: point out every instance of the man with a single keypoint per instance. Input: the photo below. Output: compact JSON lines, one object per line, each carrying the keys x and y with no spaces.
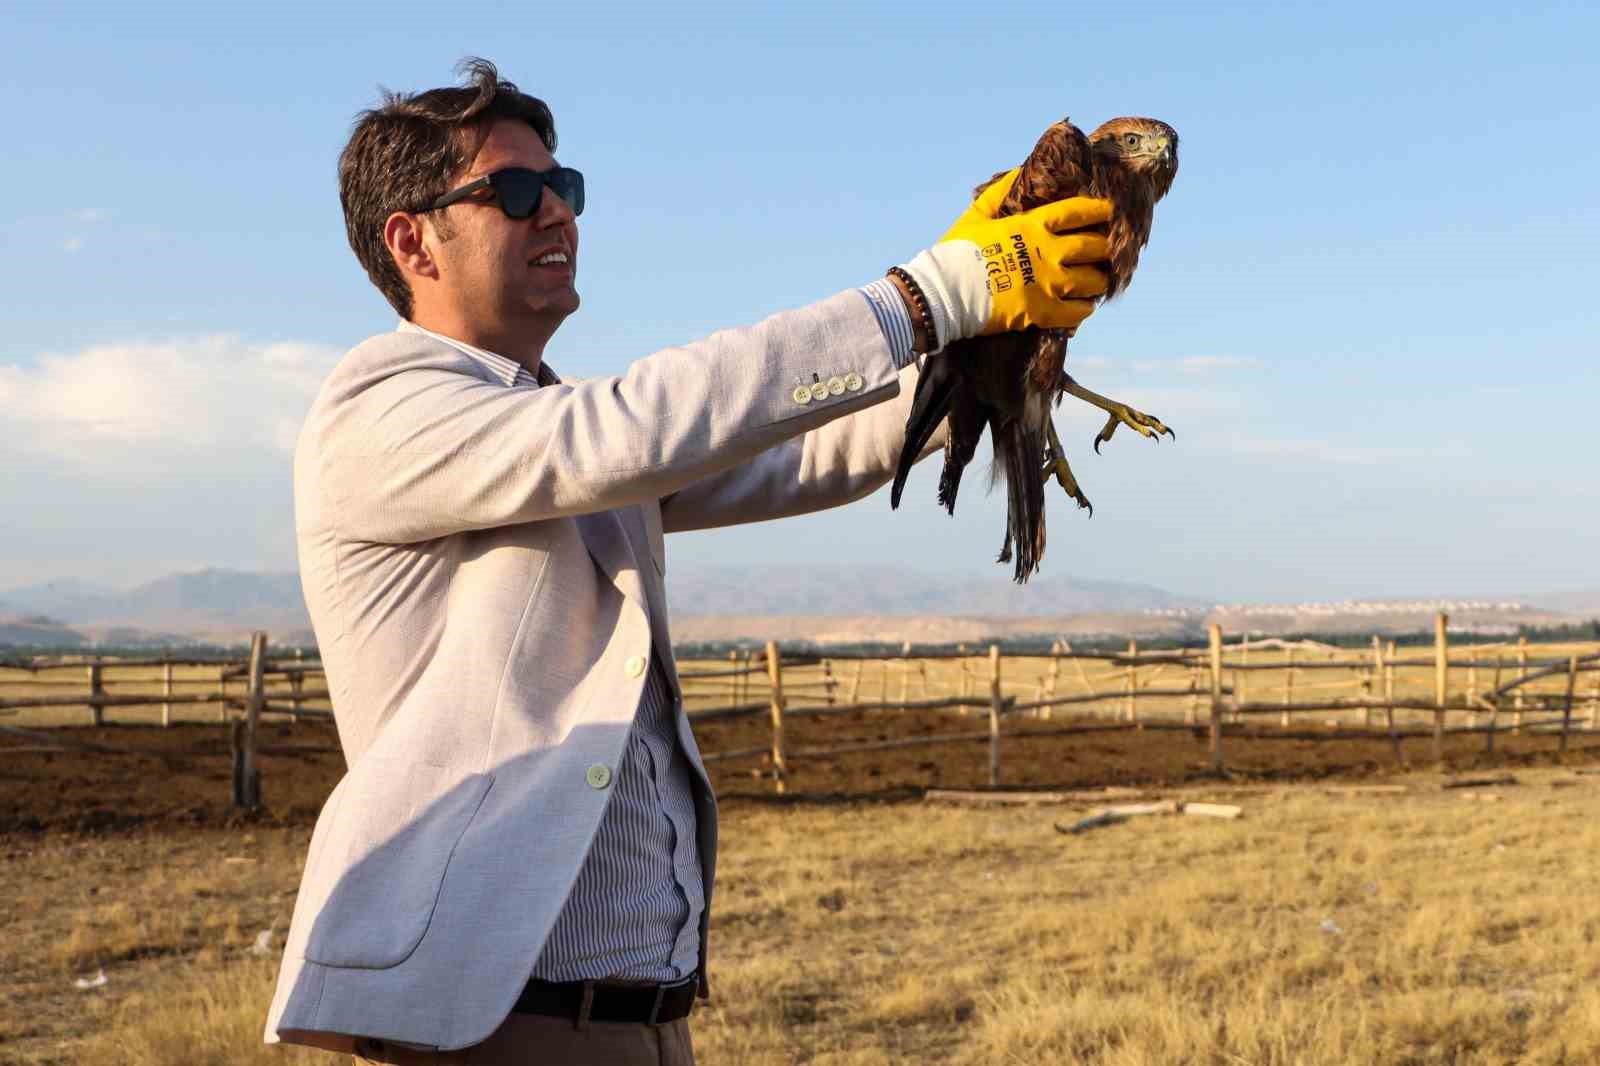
{"x":518,"y":865}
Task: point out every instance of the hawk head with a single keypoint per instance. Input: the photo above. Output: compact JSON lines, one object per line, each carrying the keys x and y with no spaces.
{"x":1144,"y":146}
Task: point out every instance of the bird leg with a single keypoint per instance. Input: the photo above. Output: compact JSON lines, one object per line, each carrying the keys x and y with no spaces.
{"x":1056,"y":465}
{"x":1121,"y":414}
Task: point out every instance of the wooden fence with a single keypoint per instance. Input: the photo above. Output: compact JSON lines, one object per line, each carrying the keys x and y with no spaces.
{"x":1219,"y":689}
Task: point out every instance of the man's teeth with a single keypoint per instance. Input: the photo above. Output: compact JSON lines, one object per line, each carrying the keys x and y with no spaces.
{"x":551,"y":257}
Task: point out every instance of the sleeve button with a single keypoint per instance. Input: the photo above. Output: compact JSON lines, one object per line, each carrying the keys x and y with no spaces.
{"x":836,"y":386}
{"x":802,"y":395}
{"x":852,"y":382}
{"x":819,"y":391}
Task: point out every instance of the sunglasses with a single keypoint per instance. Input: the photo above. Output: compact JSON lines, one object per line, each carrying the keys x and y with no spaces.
{"x":518,"y":190}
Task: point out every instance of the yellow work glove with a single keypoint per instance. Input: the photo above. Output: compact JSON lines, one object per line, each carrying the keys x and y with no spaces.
{"x":1033,"y":269}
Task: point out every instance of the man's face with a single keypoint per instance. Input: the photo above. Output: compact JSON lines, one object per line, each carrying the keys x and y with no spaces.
{"x":489,"y":268}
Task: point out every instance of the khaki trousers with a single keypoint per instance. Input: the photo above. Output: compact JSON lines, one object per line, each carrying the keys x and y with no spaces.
{"x":537,"y":1040}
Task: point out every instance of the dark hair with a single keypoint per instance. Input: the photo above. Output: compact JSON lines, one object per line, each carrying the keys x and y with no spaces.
{"x":403,"y":155}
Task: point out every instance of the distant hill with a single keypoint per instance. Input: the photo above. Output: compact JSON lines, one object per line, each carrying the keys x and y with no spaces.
{"x":781,"y":601}
{"x":39,"y":632}
{"x":835,"y":590}
{"x":222,"y":595}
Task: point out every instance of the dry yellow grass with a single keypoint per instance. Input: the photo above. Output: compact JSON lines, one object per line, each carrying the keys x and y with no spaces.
{"x":1318,"y":929}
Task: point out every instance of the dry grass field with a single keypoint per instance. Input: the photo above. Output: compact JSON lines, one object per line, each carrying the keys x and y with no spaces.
{"x":859,"y":925}
{"x":1431,"y":927}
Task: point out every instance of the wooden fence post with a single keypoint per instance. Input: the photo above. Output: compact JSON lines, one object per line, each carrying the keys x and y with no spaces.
{"x":1216,"y":698}
{"x":733,"y":682}
{"x":1472,"y":684}
{"x":1388,"y":698}
{"x":1441,"y":681}
{"x":995,"y":703}
{"x":1241,"y":677}
{"x":222,"y":689}
{"x":1193,"y":715}
{"x":780,"y":769}
{"x":1522,"y":677}
{"x":166,"y":690}
{"x":1494,"y":709}
{"x":905,"y":671}
{"x":1566,"y":714}
{"x":827,"y":681}
{"x":97,"y":689}
{"x":1377,"y":672}
{"x":297,"y":685}
{"x":1054,"y":678}
{"x":246,"y":774}
{"x":1288,"y":692}
{"x":1130,"y":710}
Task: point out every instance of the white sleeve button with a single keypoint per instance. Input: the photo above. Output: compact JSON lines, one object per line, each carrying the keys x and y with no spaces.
{"x":836,"y":386}
{"x":852,"y":382}
{"x":802,"y":395}
{"x":819,"y":391}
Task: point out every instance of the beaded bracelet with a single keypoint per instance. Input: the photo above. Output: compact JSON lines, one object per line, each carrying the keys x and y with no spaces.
{"x":919,"y":303}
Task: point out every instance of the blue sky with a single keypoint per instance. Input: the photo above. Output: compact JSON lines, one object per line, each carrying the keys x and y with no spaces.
{"x":1368,"y":308}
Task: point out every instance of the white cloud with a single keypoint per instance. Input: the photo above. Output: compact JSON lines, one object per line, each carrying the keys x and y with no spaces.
{"x":91,"y":215}
{"x":131,"y":405}
{"x":72,"y":245}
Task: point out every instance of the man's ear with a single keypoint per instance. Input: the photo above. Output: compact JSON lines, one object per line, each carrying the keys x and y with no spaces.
{"x":403,"y":233}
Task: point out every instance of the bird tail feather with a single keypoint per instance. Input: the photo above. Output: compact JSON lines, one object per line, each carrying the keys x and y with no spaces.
{"x":935,"y":386}
{"x":1017,"y":454}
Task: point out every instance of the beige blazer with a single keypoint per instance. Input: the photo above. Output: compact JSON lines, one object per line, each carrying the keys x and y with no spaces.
{"x":483,"y":565}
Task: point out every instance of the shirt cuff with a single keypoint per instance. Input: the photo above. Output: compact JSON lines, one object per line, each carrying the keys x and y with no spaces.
{"x":893,"y":318}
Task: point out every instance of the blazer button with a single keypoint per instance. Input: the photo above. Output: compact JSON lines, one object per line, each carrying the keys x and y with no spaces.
{"x":598,"y":776}
{"x":802,"y":395}
{"x":634,"y":665}
{"x":819,"y":391}
{"x":852,"y":382}
{"x":836,"y":386}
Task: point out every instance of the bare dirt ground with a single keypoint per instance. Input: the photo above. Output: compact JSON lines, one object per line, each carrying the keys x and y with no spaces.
{"x":180,"y":777}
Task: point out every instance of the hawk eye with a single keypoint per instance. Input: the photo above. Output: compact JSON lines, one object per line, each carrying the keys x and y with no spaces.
{"x":1131,"y":140}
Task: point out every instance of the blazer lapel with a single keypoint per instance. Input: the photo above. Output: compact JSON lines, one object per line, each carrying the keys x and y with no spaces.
{"x":608,"y":545}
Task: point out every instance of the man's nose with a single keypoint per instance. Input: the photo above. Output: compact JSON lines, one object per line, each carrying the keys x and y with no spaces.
{"x":553,"y":210}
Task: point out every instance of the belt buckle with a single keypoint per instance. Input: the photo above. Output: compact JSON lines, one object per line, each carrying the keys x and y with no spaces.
{"x":655,"y":1008}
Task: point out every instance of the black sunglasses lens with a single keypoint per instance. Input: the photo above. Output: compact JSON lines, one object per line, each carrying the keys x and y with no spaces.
{"x":520,"y":190}
{"x":568,"y":184}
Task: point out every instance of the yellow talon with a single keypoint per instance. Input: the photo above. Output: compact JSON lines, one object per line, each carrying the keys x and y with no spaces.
{"x":1056,"y":466}
{"x":1121,"y":415}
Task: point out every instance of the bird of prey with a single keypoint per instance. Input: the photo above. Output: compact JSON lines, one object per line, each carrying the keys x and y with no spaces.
{"x":1006,"y":382}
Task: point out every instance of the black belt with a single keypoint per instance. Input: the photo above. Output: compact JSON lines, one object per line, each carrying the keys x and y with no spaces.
{"x":599,"y":1001}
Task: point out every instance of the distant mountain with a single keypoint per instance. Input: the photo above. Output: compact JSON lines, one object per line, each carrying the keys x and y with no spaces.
{"x":38,"y":632}
{"x":888,"y":590}
{"x":215,"y":595}
{"x":869,"y":601}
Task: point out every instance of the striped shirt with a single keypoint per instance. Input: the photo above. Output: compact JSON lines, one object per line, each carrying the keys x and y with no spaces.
{"x":634,"y":911}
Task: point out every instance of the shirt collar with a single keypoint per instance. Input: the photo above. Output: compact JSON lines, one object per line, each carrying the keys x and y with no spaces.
{"x":507,"y":370}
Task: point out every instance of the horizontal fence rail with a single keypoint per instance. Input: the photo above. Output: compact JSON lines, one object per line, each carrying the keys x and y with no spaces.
{"x":1224,"y":692}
